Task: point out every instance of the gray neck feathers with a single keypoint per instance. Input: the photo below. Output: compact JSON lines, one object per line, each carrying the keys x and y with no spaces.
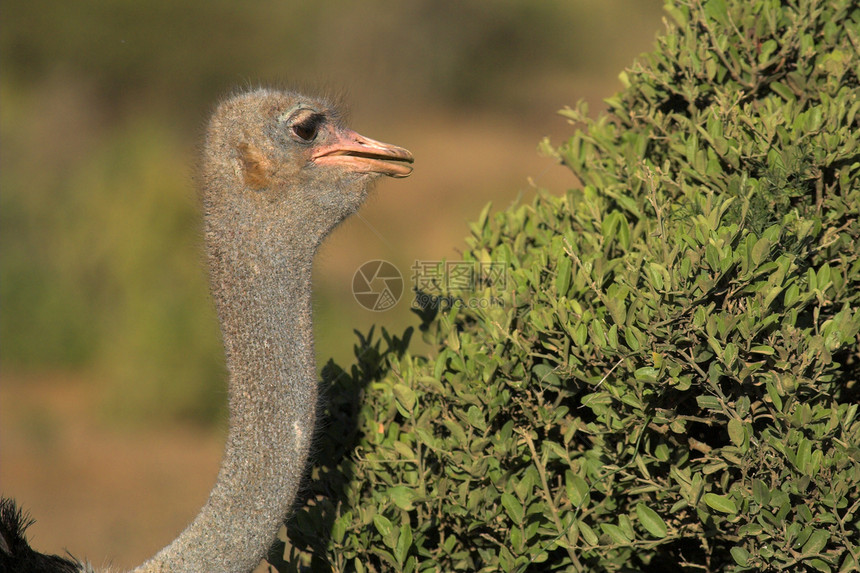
{"x":261,"y":282}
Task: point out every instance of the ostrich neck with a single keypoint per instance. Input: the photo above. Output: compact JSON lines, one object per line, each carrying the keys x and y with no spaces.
{"x":261,"y":284}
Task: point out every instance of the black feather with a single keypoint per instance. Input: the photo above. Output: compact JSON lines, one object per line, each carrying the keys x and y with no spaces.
{"x":16,"y":555}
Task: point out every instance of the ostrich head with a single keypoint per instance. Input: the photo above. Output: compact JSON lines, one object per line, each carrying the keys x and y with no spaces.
{"x":289,"y":156}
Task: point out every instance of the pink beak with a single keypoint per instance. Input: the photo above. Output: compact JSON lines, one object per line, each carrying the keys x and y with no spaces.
{"x":361,"y":154}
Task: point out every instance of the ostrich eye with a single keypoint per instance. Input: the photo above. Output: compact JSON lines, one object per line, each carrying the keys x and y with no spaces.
{"x":306,"y":128}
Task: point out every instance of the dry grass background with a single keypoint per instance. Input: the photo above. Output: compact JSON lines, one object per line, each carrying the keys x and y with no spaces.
{"x":110,"y":482}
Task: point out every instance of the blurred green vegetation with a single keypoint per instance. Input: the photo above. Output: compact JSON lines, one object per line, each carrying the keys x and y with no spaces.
{"x":446,"y":51}
{"x":102,"y":106}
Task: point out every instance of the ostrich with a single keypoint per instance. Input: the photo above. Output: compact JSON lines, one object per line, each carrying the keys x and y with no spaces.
{"x":279,"y":171}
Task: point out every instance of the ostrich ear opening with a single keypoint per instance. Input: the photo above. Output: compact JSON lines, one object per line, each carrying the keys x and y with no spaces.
{"x":255,"y":166}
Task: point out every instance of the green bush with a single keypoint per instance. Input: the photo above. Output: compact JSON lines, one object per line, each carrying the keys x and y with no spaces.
{"x":671,"y":380}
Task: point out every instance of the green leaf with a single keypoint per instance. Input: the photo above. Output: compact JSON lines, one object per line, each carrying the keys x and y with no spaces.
{"x":481,"y":223}
{"x":404,"y":543}
{"x":544,"y":373}
{"x":633,"y":337}
{"x":760,"y":250}
{"x":513,"y":508}
{"x":456,"y":431}
{"x":616,"y":533}
{"x":763,"y":349}
{"x":587,"y":533}
{"x":773,"y":394}
{"x":783,"y":91}
{"x":341,"y":524}
{"x":405,"y":395}
{"x":803,"y":455}
{"x":761,"y":493}
{"x":736,"y":431}
{"x":646,"y":374}
{"x":383,"y":525}
{"x":576,"y":487}
{"x":716,"y":10}
{"x":476,"y":418}
{"x":656,"y":273}
{"x":651,"y":521}
{"x":402,"y":496}
{"x":596,"y":399}
{"x":563,"y":274}
{"x":709,"y":403}
{"x":767,"y":48}
{"x":740,"y":555}
{"x":821,"y":565}
{"x":721,"y":503}
{"x":816,"y":542}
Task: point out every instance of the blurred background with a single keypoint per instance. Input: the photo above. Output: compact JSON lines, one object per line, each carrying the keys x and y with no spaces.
{"x":111,"y":378}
